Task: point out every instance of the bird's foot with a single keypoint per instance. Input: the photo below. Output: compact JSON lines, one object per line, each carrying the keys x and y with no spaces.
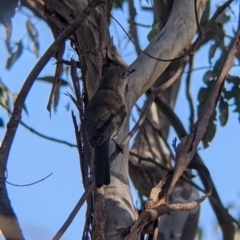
{"x":118,"y":147}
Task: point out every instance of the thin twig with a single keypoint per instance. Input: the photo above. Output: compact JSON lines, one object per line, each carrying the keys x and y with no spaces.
{"x":74,"y":212}
{"x":197,"y":20}
{"x":45,"y":136}
{"x":188,"y":92}
{"x":79,"y":104}
{"x":151,"y":160}
{"x":29,"y":184}
{"x":159,"y":132}
{"x":38,"y":133}
{"x":132,"y":26}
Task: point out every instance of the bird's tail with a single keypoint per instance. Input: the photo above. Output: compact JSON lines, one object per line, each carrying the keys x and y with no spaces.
{"x":102,"y":166}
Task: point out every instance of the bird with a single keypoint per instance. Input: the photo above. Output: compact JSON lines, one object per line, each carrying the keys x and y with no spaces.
{"x":104,"y":118}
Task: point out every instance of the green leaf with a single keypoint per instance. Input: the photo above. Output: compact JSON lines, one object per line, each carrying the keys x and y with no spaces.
{"x":224,"y":112}
{"x":234,"y":93}
{"x":209,"y":76}
{"x":14,"y":56}
{"x":210,"y":131}
{"x":205,"y":15}
{"x":233,"y":79}
{"x":4,"y":98}
{"x":56,"y":98}
{"x":118,"y":4}
{"x":1,"y":122}
{"x":212,"y":50}
{"x":50,"y":79}
{"x":154,"y":31}
{"x":200,"y":233}
{"x":223,"y":18}
{"x":203,"y":94}
{"x":211,"y":128}
{"x":33,"y":35}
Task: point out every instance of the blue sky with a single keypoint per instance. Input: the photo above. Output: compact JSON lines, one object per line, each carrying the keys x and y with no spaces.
{"x":42,"y":208}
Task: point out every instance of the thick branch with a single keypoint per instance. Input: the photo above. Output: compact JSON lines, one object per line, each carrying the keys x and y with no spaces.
{"x":176,"y":35}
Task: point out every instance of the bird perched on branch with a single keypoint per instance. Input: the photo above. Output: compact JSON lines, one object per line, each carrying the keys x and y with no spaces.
{"x":104,"y":119}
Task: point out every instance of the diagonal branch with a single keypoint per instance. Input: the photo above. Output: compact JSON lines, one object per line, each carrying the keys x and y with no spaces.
{"x":188,"y":146}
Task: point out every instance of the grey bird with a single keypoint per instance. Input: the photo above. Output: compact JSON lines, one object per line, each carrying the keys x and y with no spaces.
{"x":104,"y":119}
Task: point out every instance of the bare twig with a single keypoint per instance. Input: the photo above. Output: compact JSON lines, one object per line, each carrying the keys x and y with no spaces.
{"x":132,"y":25}
{"x":40,"y":134}
{"x":29,"y":184}
{"x":74,"y":212}
{"x":45,"y":136}
{"x":196,"y":16}
{"x":188,"y":91}
{"x":79,"y":104}
{"x":151,"y":160}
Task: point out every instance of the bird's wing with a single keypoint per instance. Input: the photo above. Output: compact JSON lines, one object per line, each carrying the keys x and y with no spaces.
{"x":102,"y":118}
{"x":104,"y":127}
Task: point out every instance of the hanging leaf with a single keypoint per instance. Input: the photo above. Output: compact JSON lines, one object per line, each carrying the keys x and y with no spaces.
{"x":211,"y":128}
{"x":223,"y":108}
{"x":4,"y":98}
{"x":33,"y":35}
{"x":233,"y":93}
{"x":200,"y":233}
{"x":154,"y":31}
{"x":209,"y":76}
{"x":212,"y":50}
{"x":7,"y":12}
{"x":222,"y":18}
{"x":203,"y":94}
{"x":205,"y":15}
{"x":211,"y":131}
{"x":233,"y":79}
{"x":50,"y":79}
{"x":14,"y":56}
{"x":118,"y":4}
{"x":56,"y":98}
{"x":1,"y":122}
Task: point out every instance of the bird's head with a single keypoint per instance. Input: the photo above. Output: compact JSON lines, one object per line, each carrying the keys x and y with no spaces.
{"x":116,"y":79}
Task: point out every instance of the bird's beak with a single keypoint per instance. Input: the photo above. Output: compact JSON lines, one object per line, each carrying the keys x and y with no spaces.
{"x":130,"y":71}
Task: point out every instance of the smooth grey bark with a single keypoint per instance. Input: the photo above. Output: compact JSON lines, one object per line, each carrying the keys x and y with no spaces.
{"x":173,"y":38}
